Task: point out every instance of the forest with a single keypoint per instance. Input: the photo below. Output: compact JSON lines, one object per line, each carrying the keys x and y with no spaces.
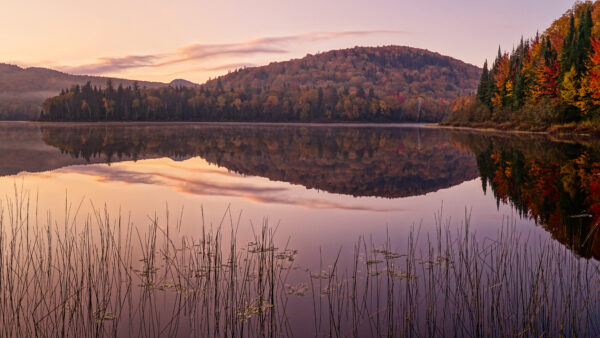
{"x":359,"y":84}
{"x":551,"y":79}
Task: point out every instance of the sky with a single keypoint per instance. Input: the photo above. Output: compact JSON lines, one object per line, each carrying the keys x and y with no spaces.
{"x":161,"y":40}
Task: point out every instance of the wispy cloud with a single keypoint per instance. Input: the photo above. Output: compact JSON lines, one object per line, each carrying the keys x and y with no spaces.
{"x":106,"y":64}
{"x":203,"y":52}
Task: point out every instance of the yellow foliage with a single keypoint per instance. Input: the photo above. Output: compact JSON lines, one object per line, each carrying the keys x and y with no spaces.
{"x":585,"y":102}
{"x":568,"y":90}
{"x":497,"y":100}
{"x":509,"y":88}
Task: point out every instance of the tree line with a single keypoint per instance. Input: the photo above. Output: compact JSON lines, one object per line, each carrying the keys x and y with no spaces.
{"x":552,"y":78}
{"x":294,"y":103}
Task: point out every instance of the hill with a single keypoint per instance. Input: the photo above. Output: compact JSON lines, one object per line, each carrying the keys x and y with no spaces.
{"x":551,"y":79}
{"x":182,"y":82}
{"x":23,"y":90}
{"x":359,"y":84}
{"x":423,"y":81}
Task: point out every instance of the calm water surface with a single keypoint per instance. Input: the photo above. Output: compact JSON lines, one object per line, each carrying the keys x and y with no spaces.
{"x":321,"y":186}
{"x":327,"y":182}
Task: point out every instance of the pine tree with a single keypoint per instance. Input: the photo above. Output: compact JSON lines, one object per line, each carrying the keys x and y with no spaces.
{"x":582,"y":47}
{"x":498,"y":57}
{"x":566,"y":54}
{"x":548,"y":52}
{"x":483,"y":94}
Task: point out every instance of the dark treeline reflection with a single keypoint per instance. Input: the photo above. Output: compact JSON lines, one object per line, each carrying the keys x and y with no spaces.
{"x":556,"y":184}
{"x":381,"y":162}
{"x":21,"y":149}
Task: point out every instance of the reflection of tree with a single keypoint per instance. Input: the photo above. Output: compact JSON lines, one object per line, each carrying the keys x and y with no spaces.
{"x":355,"y":161}
{"x":556,"y":184}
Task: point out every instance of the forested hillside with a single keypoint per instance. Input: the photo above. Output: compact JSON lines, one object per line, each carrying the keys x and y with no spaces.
{"x":418,"y":79}
{"x":359,"y":84}
{"x":553,"y":78}
{"x":23,"y":90}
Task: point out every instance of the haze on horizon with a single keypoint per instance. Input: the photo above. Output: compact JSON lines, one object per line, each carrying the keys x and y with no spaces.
{"x":159,"y":41}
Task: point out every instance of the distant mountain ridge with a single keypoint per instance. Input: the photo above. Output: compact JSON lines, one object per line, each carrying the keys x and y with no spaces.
{"x":377,"y":84}
{"x":23,"y":90}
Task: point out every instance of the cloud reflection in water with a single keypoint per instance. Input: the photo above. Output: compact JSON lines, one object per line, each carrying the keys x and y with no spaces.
{"x":195,"y":176}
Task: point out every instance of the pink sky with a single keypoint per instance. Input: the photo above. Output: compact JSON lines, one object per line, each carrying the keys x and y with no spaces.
{"x":194,"y":39}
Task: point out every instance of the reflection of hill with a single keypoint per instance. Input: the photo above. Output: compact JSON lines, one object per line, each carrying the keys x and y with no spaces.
{"x":355,"y":161}
{"x":546,"y":181}
{"x":556,"y":184}
{"x":21,"y":149}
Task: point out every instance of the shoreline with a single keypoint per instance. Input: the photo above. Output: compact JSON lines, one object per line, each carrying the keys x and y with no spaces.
{"x":564,"y":132}
{"x":493,"y":130}
{"x":231,"y":123}
{"x":561,"y":132}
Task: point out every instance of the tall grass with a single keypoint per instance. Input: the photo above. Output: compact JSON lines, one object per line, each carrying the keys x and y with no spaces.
{"x":103,"y":276}
{"x":455,"y":284}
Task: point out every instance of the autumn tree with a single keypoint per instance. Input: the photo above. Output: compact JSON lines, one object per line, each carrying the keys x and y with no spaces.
{"x":594,"y":72}
{"x":569,"y":87}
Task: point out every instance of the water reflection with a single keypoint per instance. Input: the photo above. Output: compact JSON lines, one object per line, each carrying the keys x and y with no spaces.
{"x":555,"y":183}
{"x":380,"y":162}
{"x":328,"y":186}
{"x":200,"y":178}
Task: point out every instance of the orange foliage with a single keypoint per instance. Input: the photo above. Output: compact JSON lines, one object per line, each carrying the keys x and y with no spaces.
{"x":594,"y":69}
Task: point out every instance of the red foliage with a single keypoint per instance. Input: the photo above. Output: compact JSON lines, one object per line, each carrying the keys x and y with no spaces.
{"x":594,"y":195}
{"x":400,"y":97}
{"x":550,"y":80}
{"x":594,"y":69}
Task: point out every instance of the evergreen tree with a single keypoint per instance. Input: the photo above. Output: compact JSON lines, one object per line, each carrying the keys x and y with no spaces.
{"x":581,"y":49}
{"x":483,"y":94}
{"x":566,"y":55}
{"x":548,"y":52}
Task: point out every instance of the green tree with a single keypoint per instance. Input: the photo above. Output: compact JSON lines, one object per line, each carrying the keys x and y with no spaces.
{"x":483,"y":91}
{"x":566,"y":54}
{"x":582,"y":46}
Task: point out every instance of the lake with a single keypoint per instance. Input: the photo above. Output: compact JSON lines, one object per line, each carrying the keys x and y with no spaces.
{"x":511,"y":218}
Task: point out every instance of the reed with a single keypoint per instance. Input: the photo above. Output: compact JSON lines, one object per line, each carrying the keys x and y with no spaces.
{"x":104,"y":276}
